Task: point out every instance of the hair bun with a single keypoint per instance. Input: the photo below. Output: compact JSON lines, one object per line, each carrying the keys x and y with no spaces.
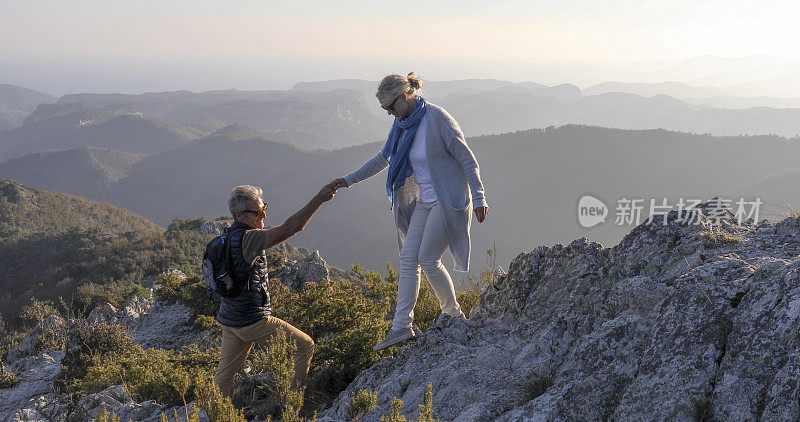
{"x":414,"y":80}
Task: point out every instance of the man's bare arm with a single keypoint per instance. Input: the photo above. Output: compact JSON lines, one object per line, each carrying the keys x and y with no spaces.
{"x":300,"y":219}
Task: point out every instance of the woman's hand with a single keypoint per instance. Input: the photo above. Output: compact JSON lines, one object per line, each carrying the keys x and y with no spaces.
{"x":326,"y":193}
{"x":339,"y":183}
{"x":481,"y":213}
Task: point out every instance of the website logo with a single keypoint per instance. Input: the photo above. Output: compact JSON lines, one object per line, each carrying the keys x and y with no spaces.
{"x":591,"y":211}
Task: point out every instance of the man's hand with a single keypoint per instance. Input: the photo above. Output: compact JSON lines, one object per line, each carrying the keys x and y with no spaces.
{"x":339,"y":183}
{"x":481,"y":213}
{"x":327,"y":192}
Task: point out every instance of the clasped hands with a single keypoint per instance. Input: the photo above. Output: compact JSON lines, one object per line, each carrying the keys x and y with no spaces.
{"x":338,"y":183}
{"x":328,"y":191}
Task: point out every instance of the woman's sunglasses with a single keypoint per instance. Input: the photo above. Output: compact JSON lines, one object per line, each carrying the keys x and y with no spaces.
{"x":390,"y":107}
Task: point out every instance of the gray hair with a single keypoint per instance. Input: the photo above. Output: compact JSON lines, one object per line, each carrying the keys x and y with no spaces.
{"x":240,"y":195}
{"x":394,"y":85}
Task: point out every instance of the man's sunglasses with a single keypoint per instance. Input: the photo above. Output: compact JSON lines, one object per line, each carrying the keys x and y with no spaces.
{"x":262,"y":209}
{"x":390,"y":107}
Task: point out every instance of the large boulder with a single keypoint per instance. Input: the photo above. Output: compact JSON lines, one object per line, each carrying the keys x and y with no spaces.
{"x":116,"y":401}
{"x":33,"y":398}
{"x":678,"y":322}
{"x":155,"y":324}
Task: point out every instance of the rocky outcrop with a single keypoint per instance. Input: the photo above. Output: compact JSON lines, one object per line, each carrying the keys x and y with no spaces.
{"x":33,"y":397}
{"x":155,"y":324}
{"x":116,"y":401}
{"x":311,"y":269}
{"x":677,"y":322}
{"x":44,"y":335}
{"x":215,"y":227}
{"x":297,"y":267}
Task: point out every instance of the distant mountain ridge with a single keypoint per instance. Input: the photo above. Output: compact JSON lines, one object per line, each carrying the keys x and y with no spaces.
{"x":333,"y":119}
{"x":546,"y":170}
{"x":60,"y":126}
{"x":343,"y":113}
{"x":83,"y":171}
{"x":17,"y":102}
{"x":671,"y":88}
{"x":25,"y":211}
{"x":489,"y":106}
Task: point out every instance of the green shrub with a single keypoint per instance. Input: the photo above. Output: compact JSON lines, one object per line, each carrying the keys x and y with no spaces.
{"x":208,"y":323}
{"x":426,"y":408}
{"x":376,"y":287}
{"x":105,"y":417}
{"x":7,"y":378}
{"x":394,"y":412}
{"x":469,"y":298}
{"x":91,"y":295}
{"x":427,"y":308}
{"x":52,"y":338}
{"x":136,"y":289}
{"x":279,"y":362}
{"x":150,"y":374}
{"x":87,"y":342}
{"x":9,"y":340}
{"x":361,"y":403}
{"x":37,"y":311}
{"x":344,"y":324}
{"x":190,"y":292}
{"x":181,"y":224}
{"x":214,"y":403}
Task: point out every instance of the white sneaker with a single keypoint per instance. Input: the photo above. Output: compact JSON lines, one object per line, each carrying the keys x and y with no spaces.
{"x":394,"y":337}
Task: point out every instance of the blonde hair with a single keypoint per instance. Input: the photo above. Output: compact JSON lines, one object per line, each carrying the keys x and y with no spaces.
{"x":240,"y":195}
{"x":392,"y":86}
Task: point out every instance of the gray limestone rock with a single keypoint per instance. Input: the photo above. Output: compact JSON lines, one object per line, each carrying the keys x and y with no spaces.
{"x":115,"y":400}
{"x":33,"y":397}
{"x":677,"y":319}
{"x":311,"y":269}
{"x":43,"y":335}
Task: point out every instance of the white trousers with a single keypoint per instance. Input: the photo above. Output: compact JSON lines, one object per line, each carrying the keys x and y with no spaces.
{"x":425,"y":243}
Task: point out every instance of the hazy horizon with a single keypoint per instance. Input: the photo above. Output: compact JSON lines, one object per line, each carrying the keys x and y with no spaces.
{"x":163,"y":46}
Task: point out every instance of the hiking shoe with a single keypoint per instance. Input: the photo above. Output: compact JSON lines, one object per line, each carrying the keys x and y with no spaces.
{"x":394,"y":337}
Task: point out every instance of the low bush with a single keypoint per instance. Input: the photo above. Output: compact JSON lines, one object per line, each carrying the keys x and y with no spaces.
{"x":85,"y":343}
{"x":150,"y":374}
{"x":89,"y":296}
{"x":189,"y":291}
{"x":361,"y":404}
{"x":344,"y":324}
{"x":7,"y":378}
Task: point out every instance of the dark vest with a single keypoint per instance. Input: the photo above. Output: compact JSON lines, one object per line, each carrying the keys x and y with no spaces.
{"x":253,"y":304}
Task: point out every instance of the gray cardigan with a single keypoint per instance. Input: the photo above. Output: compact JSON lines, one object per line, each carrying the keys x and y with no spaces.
{"x":456,"y":180}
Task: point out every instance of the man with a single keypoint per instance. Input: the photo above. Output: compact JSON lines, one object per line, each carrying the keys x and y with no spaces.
{"x":247,"y":318}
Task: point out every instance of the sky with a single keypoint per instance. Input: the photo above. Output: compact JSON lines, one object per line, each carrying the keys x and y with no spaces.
{"x":271,"y":45}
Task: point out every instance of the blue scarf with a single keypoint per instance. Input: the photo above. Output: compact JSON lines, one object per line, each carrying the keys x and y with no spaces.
{"x":396,"y":150}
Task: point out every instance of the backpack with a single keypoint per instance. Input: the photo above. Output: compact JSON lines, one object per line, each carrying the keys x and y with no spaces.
{"x":217,"y":272}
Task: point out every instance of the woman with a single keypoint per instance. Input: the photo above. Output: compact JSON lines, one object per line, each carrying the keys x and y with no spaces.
{"x":432,"y":175}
